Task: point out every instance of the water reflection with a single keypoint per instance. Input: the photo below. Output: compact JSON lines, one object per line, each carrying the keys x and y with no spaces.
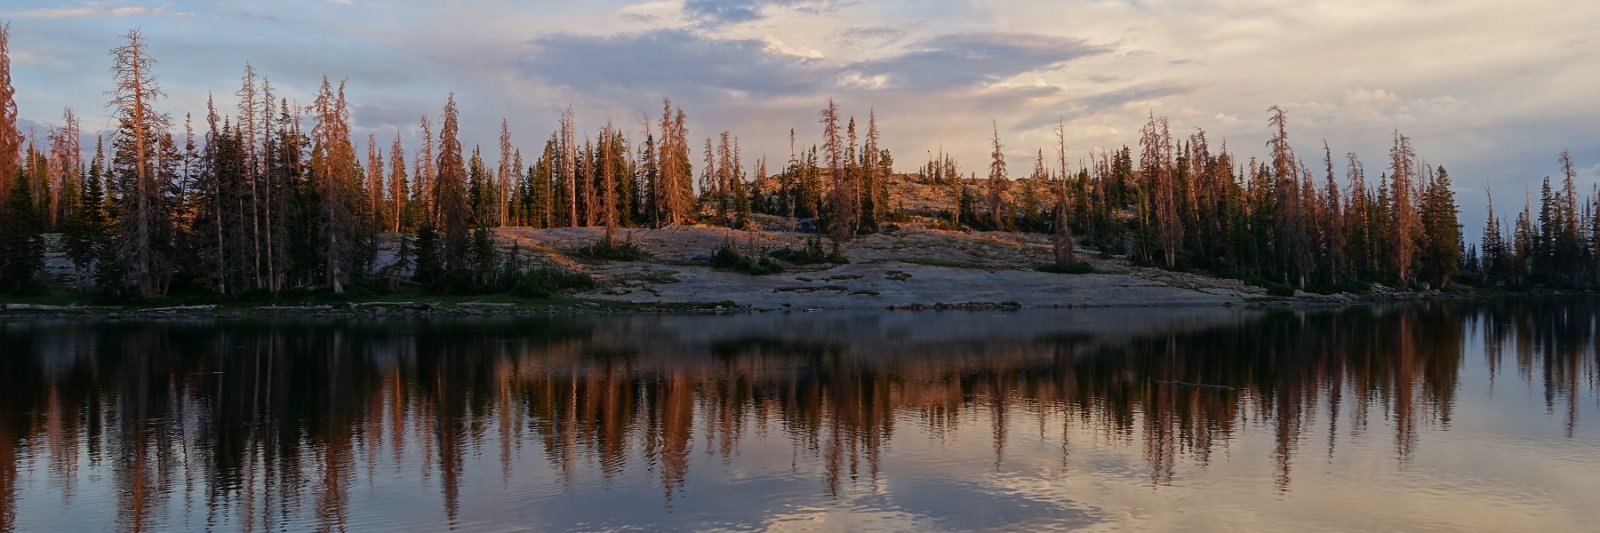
{"x":603,"y":422}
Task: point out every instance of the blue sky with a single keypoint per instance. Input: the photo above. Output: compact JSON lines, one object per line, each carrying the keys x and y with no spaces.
{"x":1494,"y":90}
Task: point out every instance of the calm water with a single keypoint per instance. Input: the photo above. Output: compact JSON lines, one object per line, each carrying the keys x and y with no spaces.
{"x":1437,"y":417}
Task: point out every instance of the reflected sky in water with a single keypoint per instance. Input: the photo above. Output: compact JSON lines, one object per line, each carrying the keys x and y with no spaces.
{"x":1439,"y":416}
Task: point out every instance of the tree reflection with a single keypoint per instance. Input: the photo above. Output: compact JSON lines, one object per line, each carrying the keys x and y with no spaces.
{"x":275,"y":423}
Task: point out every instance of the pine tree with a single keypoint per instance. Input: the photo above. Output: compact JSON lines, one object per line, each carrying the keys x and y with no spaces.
{"x":608,"y":181}
{"x":337,"y":177}
{"x":84,"y":235}
{"x":484,"y":261}
{"x":429,"y":266}
{"x":138,"y":166}
{"x":377,"y":206}
{"x":1063,"y":246}
{"x":1568,"y":262}
{"x":542,"y":184}
{"x":569,"y":167}
{"x":875,"y":176}
{"x":65,"y":168}
{"x":10,"y":137}
{"x":1406,"y":225}
{"x":1494,"y":251}
{"x":1332,"y":222}
{"x":399,"y":219}
{"x":426,"y":187}
{"x":650,"y":178}
{"x":842,"y":214}
{"x":998,"y":183}
{"x":252,"y":192}
{"x":22,"y":249}
{"x":503,"y":177}
{"x":1524,"y":242}
{"x":677,"y":173}
{"x":288,"y":216}
{"x":1441,"y":258}
{"x":454,"y":210}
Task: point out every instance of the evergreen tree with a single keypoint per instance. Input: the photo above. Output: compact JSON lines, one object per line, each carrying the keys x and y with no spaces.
{"x":138,"y":166}
{"x":1494,"y":252}
{"x":454,"y":210}
{"x":483,"y":259}
{"x":22,"y":244}
{"x":1442,"y":255}
{"x":10,"y":137}
{"x":429,"y":265}
{"x":998,"y":210}
{"x":84,"y":235}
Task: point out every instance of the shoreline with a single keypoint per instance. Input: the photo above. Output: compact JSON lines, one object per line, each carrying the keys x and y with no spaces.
{"x":491,"y":307}
{"x":913,"y":269}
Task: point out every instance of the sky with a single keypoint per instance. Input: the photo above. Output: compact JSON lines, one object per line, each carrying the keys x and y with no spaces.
{"x":1491,"y":89}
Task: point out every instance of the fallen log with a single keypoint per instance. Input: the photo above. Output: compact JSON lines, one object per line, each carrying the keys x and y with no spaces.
{"x":207,"y":307}
{"x":296,"y":308}
{"x":42,"y":307}
{"x":383,"y":304}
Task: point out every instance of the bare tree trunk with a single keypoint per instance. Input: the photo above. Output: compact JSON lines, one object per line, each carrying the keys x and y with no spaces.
{"x":569,"y":168}
{"x":1063,"y":245}
{"x":504,"y":174}
{"x":397,"y":183}
{"x":134,"y":88}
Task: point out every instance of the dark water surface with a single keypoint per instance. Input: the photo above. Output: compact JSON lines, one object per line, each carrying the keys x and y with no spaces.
{"x":1429,"y":417}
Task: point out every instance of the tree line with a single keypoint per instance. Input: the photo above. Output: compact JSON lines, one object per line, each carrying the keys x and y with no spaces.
{"x":1179,"y":203}
{"x":274,"y":197}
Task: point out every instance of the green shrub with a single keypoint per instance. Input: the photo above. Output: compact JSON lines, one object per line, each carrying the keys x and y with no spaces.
{"x":611,"y":250}
{"x":544,"y":282}
{"x":726,"y":257}
{"x":1279,"y":289}
{"x":813,"y":254}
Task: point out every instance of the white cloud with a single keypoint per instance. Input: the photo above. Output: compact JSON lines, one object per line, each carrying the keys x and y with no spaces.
{"x":857,"y":80}
{"x":776,"y":45}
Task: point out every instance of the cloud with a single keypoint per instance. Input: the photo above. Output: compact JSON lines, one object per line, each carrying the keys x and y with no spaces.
{"x":968,"y":59}
{"x":1134,"y":94}
{"x":88,"y":11}
{"x":685,"y":62}
{"x":876,"y":35}
{"x":669,"y":62}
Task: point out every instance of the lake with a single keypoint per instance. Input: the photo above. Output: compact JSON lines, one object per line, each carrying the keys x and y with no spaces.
{"x":1441,"y":416}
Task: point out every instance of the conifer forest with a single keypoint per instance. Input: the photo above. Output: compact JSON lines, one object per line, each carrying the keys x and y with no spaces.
{"x":258,"y":194}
